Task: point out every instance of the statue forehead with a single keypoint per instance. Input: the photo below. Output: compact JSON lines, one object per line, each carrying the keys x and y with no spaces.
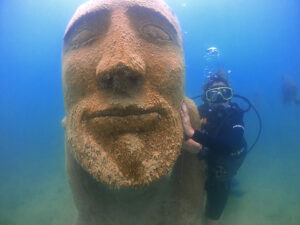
{"x":96,"y":5}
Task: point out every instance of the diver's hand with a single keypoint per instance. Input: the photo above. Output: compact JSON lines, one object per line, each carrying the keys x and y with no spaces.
{"x":191,"y":146}
{"x":185,"y":118}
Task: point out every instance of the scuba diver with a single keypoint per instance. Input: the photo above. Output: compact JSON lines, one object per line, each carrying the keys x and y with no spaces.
{"x":289,"y":90}
{"x":220,"y":141}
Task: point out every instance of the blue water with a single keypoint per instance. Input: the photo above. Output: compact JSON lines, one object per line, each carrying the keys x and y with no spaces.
{"x":257,"y":40}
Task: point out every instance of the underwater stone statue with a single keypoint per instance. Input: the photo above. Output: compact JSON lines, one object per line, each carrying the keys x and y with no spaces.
{"x":123,"y":81}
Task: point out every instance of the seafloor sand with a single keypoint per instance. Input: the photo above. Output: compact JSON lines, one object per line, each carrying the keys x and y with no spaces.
{"x":271,"y":183}
{"x":36,"y":193}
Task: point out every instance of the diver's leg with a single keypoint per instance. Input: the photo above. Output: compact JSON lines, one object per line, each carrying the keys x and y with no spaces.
{"x":217,"y":195}
{"x":206,"y":220}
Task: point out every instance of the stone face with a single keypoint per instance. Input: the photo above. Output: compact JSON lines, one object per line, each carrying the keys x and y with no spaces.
{"x":123,"y":81}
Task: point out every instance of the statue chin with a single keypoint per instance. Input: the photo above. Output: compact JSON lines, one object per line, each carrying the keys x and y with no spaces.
{"x":131,"y":150}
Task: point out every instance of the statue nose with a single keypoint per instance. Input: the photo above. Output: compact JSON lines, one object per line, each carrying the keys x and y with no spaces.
{"x":121,"y":78}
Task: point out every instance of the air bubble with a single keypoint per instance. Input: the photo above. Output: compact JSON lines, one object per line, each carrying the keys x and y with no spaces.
{"x":212,"y":52}
{"x":212,"y":63}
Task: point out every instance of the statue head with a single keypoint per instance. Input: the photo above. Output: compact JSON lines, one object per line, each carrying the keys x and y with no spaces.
{"x":123,"y":81}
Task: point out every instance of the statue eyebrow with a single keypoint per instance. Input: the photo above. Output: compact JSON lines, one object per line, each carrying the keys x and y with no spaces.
{"x":101,"y":13}
{"x":134,"y":10}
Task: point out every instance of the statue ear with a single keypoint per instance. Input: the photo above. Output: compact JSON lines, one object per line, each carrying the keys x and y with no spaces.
{"x":64,"y":122}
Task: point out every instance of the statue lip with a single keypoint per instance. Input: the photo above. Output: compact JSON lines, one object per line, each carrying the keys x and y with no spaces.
{"x":124,"y":119}
{"x":131,"y":110}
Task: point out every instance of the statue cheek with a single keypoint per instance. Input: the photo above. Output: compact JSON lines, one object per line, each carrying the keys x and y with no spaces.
{"x":170,"y":83}
{"x":79,"y":77}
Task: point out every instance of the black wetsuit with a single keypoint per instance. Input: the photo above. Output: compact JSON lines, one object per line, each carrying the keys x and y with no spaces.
{"x":223,"y":138}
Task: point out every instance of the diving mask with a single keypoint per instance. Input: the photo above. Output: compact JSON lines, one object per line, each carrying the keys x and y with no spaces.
{"x":219,"y":94}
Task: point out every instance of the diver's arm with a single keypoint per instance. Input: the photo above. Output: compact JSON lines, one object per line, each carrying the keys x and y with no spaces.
{"x":228,"y":142}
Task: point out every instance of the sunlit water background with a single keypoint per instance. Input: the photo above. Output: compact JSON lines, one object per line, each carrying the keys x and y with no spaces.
{"x":258,"y":41}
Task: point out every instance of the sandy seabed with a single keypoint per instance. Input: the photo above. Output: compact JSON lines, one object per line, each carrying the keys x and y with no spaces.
{"x":270,"y":184}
